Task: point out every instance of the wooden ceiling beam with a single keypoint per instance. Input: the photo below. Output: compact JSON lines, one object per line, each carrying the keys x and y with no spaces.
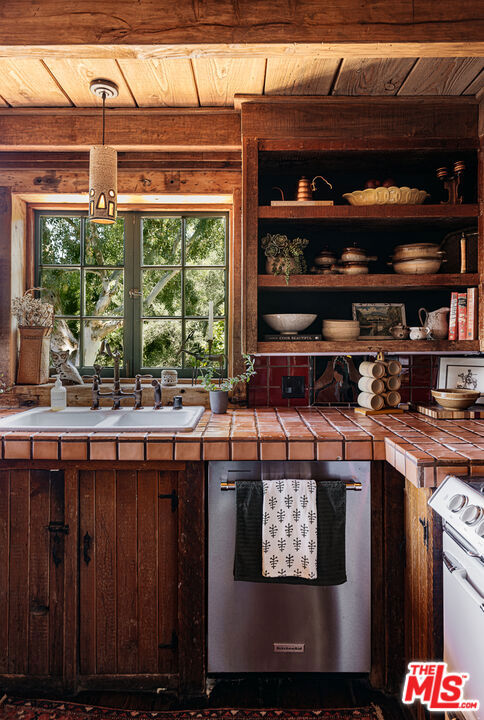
{"x":314,"y":50}
{"x":122,"y":22}
{"x":129,"y":130}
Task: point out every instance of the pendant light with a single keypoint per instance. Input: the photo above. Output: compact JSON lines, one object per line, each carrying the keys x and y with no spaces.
{"x":103,"y":166}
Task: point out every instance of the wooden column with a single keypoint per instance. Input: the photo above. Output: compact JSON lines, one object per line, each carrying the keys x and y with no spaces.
{"x":7,"y":354}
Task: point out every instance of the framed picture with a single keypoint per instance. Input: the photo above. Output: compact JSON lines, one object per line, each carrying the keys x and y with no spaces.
{"x":376,"y":319}
{"x":465,"y":373}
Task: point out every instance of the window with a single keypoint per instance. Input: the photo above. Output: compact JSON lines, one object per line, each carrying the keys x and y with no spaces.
{"x":142,"y":284}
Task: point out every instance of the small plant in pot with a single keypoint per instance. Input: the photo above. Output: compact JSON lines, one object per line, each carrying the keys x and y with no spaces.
{"x":284,"y":256}
{"x":219,"y":389}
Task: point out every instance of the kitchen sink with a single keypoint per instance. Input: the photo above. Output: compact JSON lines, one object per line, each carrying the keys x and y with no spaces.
{"x":104,"y":420}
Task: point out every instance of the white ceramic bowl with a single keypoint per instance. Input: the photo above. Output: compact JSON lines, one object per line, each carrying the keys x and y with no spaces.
{"x":387,"y":196}
{"x":289,"y":323}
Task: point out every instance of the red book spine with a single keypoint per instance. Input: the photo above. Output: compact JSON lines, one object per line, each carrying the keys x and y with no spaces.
{"x":462,"y":316}
{"x":453,"y":317}
{"x":471,"y":333}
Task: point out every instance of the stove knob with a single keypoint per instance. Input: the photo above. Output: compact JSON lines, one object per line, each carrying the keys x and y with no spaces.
{"x":457,"y":502}
{"x":471,"y":514}
{"x":480,"y":530}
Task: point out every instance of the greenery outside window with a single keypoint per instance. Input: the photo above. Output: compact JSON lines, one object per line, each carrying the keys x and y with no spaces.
{"x":142,"y":284}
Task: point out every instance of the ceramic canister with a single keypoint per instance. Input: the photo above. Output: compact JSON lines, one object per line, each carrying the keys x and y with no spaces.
{"x":372,"y":369}
{"x":371,"y":402}
{"x":169,"y":378}
{"x":371,"y":385}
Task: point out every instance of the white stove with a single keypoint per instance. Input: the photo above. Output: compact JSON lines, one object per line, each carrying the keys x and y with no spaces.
{"x":460,"y":503}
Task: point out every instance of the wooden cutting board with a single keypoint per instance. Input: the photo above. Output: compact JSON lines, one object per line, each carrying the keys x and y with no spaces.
{"x":440,"y":413}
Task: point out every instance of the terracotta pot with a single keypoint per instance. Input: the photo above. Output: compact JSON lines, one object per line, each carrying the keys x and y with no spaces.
{"x":33,"y":362}
{"x":293,"y":267}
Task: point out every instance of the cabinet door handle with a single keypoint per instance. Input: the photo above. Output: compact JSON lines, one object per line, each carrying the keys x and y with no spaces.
{"x":57,"y":529}
{"x":425,"y":526}
{"x":86,"y":542}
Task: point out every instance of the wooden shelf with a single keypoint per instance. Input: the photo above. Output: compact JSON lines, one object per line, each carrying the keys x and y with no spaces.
{"x":383,"y":213}
{"x":376,"y":282}
{"x":363,"y":347}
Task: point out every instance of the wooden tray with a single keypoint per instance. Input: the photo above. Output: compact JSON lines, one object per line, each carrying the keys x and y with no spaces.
{"x":440,"y":413}
{"x":384,"y":411}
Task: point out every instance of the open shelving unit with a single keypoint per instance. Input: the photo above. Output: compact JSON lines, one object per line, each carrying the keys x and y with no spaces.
{"x":407,"y":141}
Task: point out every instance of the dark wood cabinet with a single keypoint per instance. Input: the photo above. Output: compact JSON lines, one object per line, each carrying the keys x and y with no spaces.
{"x":102,"y":577}
{"x":34,"y":537}
{"x":128,"y":577}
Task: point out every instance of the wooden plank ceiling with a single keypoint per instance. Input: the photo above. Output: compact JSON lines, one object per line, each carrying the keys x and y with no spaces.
{"x":213,"y":81}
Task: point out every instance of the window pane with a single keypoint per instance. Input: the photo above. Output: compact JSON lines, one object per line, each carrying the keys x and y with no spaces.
{"x":104,"y":244}
{"x":202,"y":286}
{"x":161,"y":342}
{"x":65,"y":338}
{"x":63,"y":290}
{"x":205,"y":241}
{"x":94,"y":332}
{"x":104,"y":292}
{"x":60,"y":240}
{"x":161,"y":241}
{"x":196,"y":331}
{"x":162,"y":292}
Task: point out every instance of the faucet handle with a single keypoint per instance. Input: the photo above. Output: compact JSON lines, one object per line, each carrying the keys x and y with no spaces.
{"x":157,"y":394}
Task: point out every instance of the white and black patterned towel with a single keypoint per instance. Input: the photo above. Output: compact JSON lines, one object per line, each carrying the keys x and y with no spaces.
{"x":289,"y":529}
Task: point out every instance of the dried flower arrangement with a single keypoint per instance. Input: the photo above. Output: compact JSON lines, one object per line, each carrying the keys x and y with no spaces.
{"x":4,"y":386}
{"x":33,"y":312}
{"x":285,"y":257}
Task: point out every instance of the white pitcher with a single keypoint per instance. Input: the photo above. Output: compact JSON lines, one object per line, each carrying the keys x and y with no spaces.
{"x":436,"y":322}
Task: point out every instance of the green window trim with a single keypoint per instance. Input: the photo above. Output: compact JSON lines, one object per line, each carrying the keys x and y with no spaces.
{"x":147,"y":271}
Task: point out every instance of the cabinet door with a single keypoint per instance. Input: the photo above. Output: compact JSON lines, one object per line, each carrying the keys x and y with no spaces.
{"x":423,"y":580}
{"x":32,"y":571}
{"x":128,"y":578}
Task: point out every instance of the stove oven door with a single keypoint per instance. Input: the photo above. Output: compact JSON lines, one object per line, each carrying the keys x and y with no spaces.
{"x":464,"y":619}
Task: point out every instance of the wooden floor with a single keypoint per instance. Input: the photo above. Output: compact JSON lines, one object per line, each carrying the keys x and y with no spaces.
{"x":270,"y":692}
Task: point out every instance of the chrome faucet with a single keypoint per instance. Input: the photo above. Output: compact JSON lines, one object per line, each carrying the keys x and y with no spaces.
{"x":116,"y":393}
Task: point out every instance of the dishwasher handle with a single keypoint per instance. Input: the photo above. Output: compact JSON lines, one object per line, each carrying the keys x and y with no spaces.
{"x":460,"y":575}
{"x":230,"y":485}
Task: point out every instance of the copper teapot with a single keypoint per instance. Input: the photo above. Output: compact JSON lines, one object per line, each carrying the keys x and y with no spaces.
{"x":305,"y":188}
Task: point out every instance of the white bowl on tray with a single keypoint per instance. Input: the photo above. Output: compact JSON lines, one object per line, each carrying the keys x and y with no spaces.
{"x":289,"y":323}
{"x":387,"y":196}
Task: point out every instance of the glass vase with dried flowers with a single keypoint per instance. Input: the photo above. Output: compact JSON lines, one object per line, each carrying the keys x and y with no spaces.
{"x":35,"y":320}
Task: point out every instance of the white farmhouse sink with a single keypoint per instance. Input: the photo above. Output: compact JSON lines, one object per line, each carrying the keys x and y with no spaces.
{"x":104,"y":420}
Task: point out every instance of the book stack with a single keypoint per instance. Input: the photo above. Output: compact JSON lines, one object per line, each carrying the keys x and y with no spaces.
{"x":463,"y":315}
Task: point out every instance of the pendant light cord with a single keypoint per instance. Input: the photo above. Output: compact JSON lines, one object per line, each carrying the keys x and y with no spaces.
{"x":104,"y":111}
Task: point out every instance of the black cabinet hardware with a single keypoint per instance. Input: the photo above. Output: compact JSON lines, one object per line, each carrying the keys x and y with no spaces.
{"x":86,"y":543}
{"x":173,"y":645}
{"x":174,"y":499}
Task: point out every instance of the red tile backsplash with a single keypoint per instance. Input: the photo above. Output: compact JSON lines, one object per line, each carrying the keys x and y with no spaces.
{"x":420,"y":374}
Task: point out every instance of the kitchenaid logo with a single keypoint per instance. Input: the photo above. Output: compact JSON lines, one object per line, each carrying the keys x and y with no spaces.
{"x":435,"y":687}
{"x":288,"y":647}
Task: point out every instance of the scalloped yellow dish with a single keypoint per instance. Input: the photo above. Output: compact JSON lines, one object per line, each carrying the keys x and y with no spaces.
{"x":387,"y":196}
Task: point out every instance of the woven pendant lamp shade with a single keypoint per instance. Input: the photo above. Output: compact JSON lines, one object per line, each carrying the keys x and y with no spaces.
{"x":103,"y":183}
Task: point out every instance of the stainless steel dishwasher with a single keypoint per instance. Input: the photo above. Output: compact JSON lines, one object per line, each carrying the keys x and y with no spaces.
{"x":257,"y":627}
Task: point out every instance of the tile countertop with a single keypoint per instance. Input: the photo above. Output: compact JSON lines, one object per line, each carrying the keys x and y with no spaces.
{"x":421,"y":448}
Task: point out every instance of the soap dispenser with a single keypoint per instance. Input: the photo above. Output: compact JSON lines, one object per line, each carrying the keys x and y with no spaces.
{"x":58,"y":396}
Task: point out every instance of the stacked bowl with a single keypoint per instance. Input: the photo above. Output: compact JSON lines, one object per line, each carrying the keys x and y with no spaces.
{"x":341,"y":329}
{"x":417,"y":259}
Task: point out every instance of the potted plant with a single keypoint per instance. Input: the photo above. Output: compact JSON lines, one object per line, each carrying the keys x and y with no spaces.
{"x":219,"y":389}
{"x":284,"y":256}
{"x":35,"y":320}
